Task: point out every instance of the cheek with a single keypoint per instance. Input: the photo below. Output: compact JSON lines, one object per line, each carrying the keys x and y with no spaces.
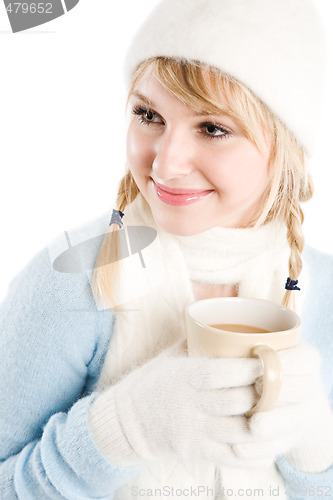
{"x":240,"y":169}
{"x":139,"y":149}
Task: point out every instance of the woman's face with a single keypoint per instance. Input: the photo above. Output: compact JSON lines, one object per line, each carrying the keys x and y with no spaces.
{"x":221,"y":173}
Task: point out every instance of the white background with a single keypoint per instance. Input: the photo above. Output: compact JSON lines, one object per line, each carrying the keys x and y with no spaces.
{"x":62,"y":128}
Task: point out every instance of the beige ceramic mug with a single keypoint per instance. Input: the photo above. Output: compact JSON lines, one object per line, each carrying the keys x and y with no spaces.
{"x":273,"y":327}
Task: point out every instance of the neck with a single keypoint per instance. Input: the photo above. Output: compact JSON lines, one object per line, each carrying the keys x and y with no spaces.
{"x":208,"y":291}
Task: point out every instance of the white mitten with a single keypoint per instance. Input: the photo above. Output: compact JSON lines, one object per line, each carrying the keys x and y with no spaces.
{"x":175,"y":404}
{"x":301,"y":424}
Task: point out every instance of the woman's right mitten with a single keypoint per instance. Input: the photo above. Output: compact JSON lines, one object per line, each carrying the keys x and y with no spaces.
{"x":191,"y":406}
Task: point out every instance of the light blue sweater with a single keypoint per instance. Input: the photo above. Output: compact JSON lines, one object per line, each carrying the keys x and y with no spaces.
{"x":52,"y":345}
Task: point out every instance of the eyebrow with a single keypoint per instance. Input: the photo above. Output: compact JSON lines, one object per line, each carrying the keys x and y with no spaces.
{"x":143,"y":98}
{"x":153,"y":105}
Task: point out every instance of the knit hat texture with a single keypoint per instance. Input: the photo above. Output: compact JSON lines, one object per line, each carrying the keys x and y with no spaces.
{"x":277,"y":48}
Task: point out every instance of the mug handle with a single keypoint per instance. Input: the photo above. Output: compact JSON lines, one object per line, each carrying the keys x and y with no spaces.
{"x":272,"y":379}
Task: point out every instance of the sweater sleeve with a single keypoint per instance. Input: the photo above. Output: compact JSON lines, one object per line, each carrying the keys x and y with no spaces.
{"x":301,"y":486}
{"x":52,"y":343}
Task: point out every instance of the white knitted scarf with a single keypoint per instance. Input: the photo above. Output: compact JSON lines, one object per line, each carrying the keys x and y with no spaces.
{"x":153,"y":299}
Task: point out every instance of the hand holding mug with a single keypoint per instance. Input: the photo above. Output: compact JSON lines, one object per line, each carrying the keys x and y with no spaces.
{"x":293,"y":413}
{"x":195,"y":407}
{"x":241,"y":327}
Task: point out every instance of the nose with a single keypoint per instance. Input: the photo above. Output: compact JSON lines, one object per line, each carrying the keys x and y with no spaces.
{"x":173,"y":155}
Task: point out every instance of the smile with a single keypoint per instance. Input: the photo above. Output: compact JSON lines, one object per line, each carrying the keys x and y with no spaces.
{"x":180,"y":198}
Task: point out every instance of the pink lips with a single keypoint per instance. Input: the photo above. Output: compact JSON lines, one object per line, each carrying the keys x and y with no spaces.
{"x":179,"y":196}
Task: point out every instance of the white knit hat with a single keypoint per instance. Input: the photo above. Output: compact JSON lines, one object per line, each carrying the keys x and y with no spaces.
{"x":277,"y":48}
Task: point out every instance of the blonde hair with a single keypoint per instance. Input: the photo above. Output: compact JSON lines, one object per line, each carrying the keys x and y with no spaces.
{"x":289,"y":183}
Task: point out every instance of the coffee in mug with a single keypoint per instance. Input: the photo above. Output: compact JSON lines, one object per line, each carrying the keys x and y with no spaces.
{"x":231,"y":327}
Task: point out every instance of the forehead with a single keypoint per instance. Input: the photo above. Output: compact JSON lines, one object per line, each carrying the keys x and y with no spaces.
{"x":148,"y":85}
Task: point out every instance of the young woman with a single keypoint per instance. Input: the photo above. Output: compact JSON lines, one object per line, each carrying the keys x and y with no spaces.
{"x":98,"y":396}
